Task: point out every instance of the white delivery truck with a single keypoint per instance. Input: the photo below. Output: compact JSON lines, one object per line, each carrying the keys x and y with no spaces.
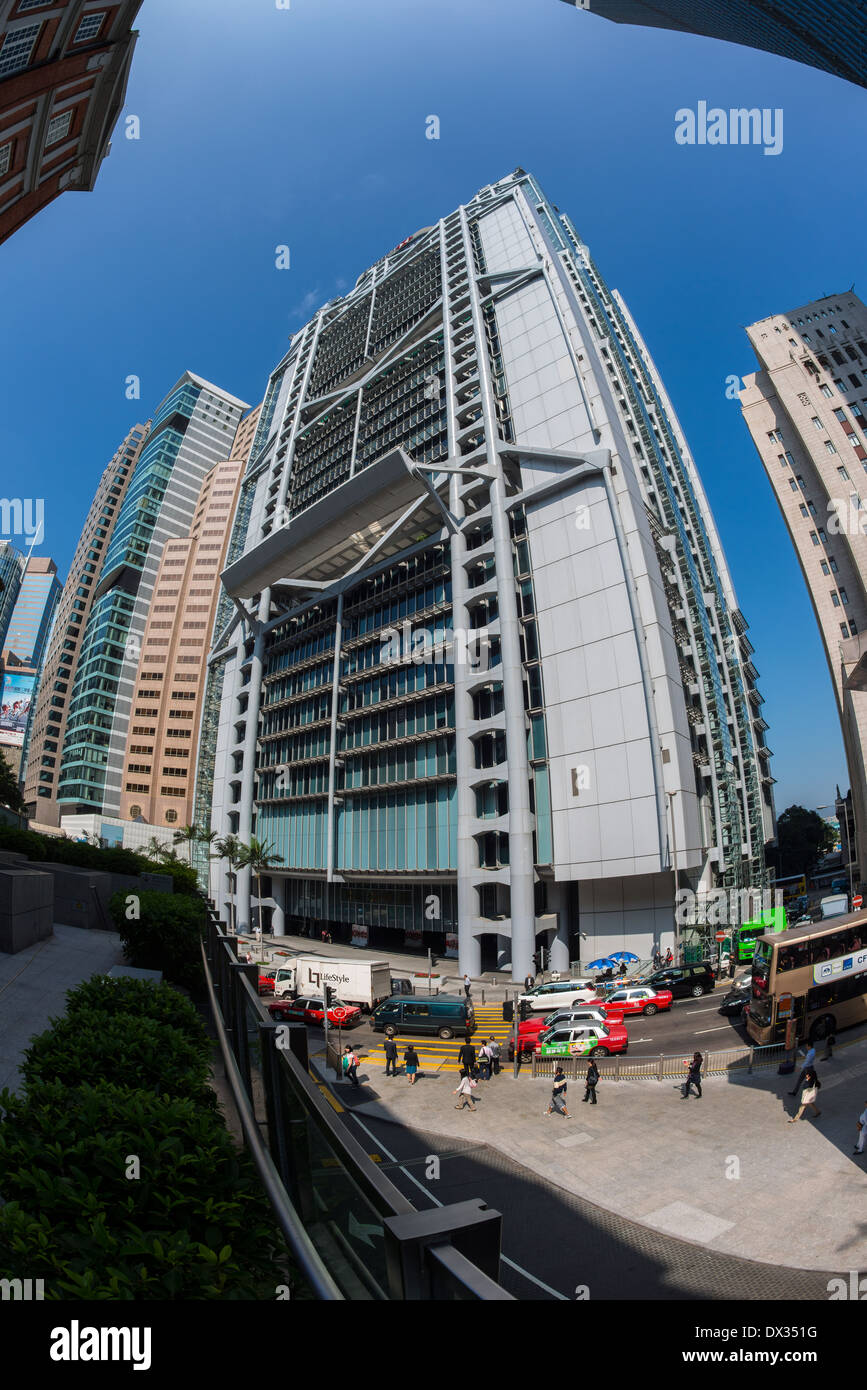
{"x":362,"y":982}
{"x":837,"y":905}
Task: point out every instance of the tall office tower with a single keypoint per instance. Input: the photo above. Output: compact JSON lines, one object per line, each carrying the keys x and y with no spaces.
{"x":60,"y":664}
{"x":159,"y":772}
{"x":491,"y":682}
{"x":806,"y":409}
{"x":11,"y":572}
{"x":34,"y":610}
{"x":826,"y":34}
{"x":64,"y":66}
{"x":192,"y":430}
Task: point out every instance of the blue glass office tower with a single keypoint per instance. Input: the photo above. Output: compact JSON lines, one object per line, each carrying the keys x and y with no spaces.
{"x":485,"y":677}
{"x":33,"y":613}
{"x":826,"y":34}
{"x":11,"y":573}
{"x":193,"y":428}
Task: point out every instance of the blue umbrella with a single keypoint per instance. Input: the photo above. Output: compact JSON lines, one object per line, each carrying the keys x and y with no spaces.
{"x":602,"y":964}
{"x":624,"y":955}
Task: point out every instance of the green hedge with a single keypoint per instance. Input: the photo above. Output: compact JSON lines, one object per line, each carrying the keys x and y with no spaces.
{"x":59,"y":850}
{"x":165,"y":936}
{"x":122,"y":1049}
{"x":193,"y":1225}
{"x":110,"y":995}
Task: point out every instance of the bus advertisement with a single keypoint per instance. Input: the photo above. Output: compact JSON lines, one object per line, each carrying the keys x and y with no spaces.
{"x":815,"y":975}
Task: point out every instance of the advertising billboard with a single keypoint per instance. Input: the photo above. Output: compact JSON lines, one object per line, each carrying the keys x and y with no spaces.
{"x":15,"y":697}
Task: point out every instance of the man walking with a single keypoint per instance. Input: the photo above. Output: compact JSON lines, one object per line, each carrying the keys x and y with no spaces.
{"x":467,"y":1058}
{"x":808,"y":1066}
{"x":468,"y":984}
{"x":494,"y":1049}
{"x":558,"y":1094}
{"x":390,"y":1057}
{"x":591,"y":1081}
{"x":485,"y":1060}
{"x":529,"y":983}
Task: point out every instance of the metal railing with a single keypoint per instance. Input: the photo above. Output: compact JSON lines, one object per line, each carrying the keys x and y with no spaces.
{"x":661,"y":1066}
{"x":351,"y":1232}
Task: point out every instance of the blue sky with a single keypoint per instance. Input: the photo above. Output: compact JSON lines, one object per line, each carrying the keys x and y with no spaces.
{"x":306,"y":127}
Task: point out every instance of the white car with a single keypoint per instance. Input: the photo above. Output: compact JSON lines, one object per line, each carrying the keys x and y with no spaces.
{"x":558,"y":994}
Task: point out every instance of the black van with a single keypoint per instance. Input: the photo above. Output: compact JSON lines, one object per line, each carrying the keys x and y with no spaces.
{"x":443,"y":1015}
{"x":685,"y":980}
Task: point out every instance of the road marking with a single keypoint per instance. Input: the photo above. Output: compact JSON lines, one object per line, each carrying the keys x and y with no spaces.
{"x":511,"y":1263}
{"x":706,"y":1010}
{"x":699,"y":1031}
{"x":332,"y":1100}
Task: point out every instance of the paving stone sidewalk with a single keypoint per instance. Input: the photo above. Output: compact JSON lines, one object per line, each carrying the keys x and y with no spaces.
{"x":726,"y":1171}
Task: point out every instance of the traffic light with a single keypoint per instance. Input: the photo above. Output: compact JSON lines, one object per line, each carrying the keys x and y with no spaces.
{"x":330,"y":995}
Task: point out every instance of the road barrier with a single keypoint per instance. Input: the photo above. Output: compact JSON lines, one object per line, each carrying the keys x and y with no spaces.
{"x":662,"y":1067}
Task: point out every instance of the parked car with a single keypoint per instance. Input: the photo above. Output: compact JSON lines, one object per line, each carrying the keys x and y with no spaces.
{"x":637,"y":999}
{"x":558,"y":993}
{"x":735,"y":1002}
{"x":310,"y":1010}
{"x":685,"y":980}
{"x":582,"y":1040}
{"x":266,"y":983}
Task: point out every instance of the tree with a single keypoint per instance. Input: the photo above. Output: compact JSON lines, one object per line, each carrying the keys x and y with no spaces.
{"x":187,"y":836}
{"x":229,"y":848}
{"x":803,"y":838}
{"x":10,"y":792}
{"x":259,"y":856}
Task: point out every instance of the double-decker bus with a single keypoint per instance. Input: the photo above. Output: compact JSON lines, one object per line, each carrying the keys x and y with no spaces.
{"x":824,"y":969}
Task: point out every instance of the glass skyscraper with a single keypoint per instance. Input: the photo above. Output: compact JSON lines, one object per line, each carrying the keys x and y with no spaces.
{"x":193,"y":428}
{"x":484,"y":684}
{"x":826,"y":34}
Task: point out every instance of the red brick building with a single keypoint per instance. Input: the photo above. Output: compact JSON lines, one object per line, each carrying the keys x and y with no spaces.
{"x":64,"y":66}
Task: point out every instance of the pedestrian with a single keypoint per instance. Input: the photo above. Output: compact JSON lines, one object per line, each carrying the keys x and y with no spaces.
{"x":591,"y":1081}
{"x":350,"y":1065}
{"x":494,"y":1049}
{"x":809,"y":1095}
{"x":390,"y":1057}
{"x":468,"y":984}
{"x":485,"y":1060}
{"x":467,"y":1057}
{"x":558,"y":1094}
{"x":529,"y":983}
{"x":693,"y":1076}
{"x":809,"y":1059}
{"x":622,"y":970}
{"x":861,"y":1122}
{"x":668,"y":956}
{"x":464,"y":1089}
{"x":830,"y":1044}
{"x":410,"y":1062}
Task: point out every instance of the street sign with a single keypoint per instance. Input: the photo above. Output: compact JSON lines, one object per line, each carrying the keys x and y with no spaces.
{"x":857,"y":901}
{"x":721,"y":936}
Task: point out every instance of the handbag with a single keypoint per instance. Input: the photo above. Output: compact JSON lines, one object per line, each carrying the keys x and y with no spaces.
{"x":808,"y":1096}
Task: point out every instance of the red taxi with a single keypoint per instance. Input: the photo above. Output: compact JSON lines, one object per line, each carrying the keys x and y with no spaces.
{"x":311,"y":1010}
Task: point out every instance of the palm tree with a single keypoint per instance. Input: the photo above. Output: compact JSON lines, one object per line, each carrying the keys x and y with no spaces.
{"x":259,"y":856}
{"x":155,"y":848}
{"x":187,"y":836}
{"x":229,"y":848}
{"x":209,"y":838}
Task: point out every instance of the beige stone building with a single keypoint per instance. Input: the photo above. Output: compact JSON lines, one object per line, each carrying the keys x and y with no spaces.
{"x":160,"y":764}
{"x":806,"y":409}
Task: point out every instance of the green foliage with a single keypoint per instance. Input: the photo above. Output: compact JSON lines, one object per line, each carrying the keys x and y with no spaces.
{"x":10,"y":792}
{"x":59,"y":849}
{"x":194,"y":1225}
{"x":109,"y":995}
{"x":25,"y":842}
{"x":166,"y":937}
{"x":184,"y":878}
{"x":803,"y":838}
{"x":128,"y":1050}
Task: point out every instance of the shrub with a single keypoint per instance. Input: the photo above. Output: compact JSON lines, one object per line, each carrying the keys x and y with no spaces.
{"x":184,"y":879}
{"x":110,"y":995}
{"x":165,"y":936}
{"x":123,"y":1049}
{"x":22,"y":842}
{"x":193,"y":1225}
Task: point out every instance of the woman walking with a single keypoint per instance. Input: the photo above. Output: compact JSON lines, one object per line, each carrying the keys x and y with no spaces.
{"x":464,"y":1089}
{"x":693,"y":1076}
{"x":410,"y":1059}
{"x":812,"y":1085}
